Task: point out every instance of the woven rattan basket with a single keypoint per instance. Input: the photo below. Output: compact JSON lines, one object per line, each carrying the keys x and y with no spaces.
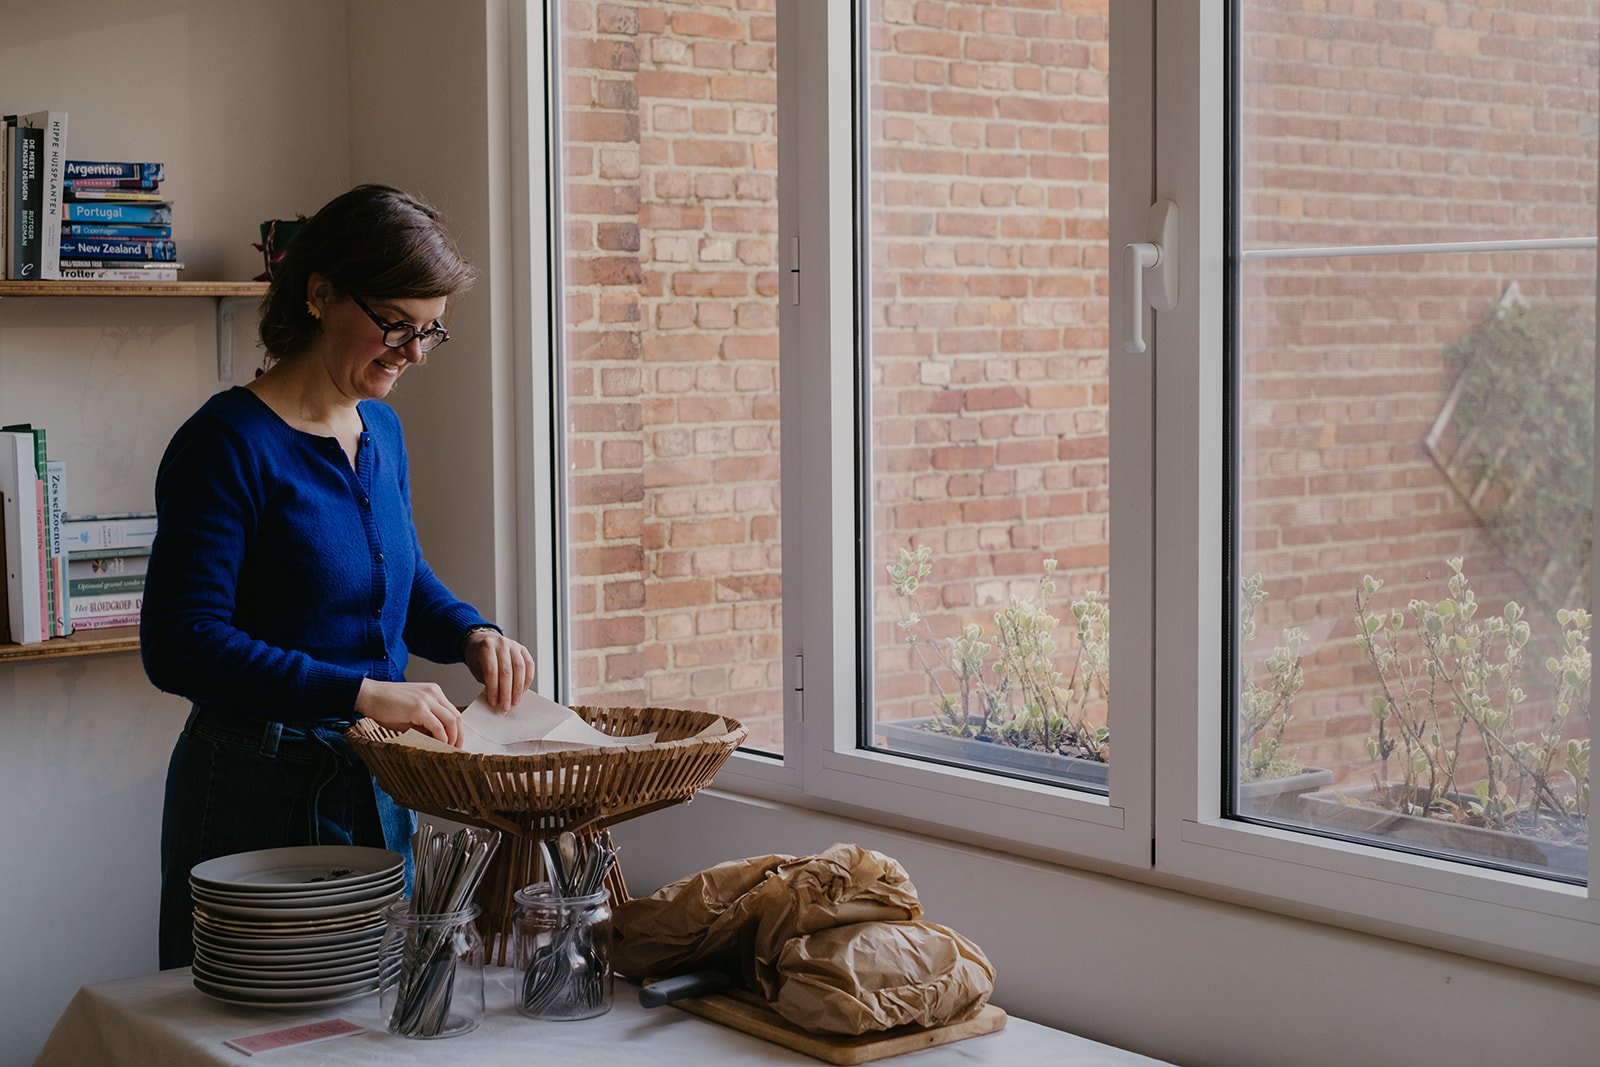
{"x":529,"y":798}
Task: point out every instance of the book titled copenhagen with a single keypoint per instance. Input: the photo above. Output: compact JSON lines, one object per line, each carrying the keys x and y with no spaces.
{"x":86,"y":168}
{"x":114,"y":229}
{"x":111,"y":248}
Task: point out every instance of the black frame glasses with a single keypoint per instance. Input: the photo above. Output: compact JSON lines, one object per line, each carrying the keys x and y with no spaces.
{"x":400,"y":334}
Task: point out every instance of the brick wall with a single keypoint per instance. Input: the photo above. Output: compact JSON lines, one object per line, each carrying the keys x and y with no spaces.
{"x":1365,"y":122}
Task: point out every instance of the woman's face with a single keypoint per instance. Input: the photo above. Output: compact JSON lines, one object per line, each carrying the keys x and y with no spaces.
{"x":352,"y":350}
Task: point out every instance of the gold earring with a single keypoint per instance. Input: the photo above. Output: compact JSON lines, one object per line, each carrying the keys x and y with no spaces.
{"x":313,"y":310}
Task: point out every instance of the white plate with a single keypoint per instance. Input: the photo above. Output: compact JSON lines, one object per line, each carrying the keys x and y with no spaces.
{"x":282,"y":1005}
{"x":291,"y":980}
{"x":256,"y":951}
{"x":245,"y":926}
{"x":221,"y":965}
{"x":309,"y":991}
{"x":372,"y":891}
{"x":296,"y":914}
{"x":306,"y":941}
{"x":297,"y":869}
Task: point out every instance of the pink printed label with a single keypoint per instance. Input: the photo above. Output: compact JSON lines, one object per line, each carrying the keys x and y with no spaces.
{"x":303,"y":1034}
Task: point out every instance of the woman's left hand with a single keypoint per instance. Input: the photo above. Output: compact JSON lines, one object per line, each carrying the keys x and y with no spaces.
{"x":504,"y":666}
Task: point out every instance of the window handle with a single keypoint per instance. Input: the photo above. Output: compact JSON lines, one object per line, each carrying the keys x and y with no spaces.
{"x":1154,"y":256}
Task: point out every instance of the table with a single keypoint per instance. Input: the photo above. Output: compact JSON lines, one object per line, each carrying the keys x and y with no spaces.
{"x":162,"y":1018}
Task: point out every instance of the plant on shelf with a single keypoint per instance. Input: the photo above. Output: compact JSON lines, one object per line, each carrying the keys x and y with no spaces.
{"x":1458,"y":678}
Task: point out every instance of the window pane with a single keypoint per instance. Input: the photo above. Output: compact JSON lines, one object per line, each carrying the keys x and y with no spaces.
{"x":986,"y":391}
{"x":669,"y":239}
{"x":1415,"y":433}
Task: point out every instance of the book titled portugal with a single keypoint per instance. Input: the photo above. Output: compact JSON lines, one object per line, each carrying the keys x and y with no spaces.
{"x":139,"y":214}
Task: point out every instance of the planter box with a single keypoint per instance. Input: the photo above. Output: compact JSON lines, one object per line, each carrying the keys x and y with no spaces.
{"x":908,"y":736}
{"x":1280,"y":797}
{"x":1341,"y":811}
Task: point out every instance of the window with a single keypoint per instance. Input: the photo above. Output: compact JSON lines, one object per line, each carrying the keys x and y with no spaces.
{"x":1413,"y":427}
{"x":669,"y":302}
{"x":898,"y":234}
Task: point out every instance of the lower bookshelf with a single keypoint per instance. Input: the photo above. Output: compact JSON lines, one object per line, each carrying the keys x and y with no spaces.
{"x":82,"y":643}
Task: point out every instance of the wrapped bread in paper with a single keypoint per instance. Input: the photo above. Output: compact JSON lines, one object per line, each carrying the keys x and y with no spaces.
{"x":879,"y":975}
{"x":749,"y":916}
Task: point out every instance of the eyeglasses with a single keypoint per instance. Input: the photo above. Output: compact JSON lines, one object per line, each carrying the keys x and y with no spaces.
{"x":400,"y":334}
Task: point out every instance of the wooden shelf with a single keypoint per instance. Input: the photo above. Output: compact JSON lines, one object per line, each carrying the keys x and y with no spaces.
{"x":190,"y":289}
{"x":82,"y":643}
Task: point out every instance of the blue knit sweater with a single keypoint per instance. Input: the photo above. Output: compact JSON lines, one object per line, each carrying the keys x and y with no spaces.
{"x":281,"y":576}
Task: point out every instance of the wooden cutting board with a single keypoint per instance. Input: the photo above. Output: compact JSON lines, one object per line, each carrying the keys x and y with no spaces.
{"x":745,"y":1011}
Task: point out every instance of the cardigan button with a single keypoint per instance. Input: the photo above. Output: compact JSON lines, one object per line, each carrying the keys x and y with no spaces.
{"x":366,"y":502}
{"x":377,"y":613}
{"x":378,"y":558}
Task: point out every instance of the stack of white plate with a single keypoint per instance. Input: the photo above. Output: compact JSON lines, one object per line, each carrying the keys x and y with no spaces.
{"x":292,"y":927}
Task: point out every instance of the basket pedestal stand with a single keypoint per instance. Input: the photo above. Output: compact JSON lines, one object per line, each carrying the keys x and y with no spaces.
{"x":534,"y":798}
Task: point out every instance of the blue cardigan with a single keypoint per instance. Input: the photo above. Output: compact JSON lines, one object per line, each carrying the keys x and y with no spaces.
{"x":281,"y":576}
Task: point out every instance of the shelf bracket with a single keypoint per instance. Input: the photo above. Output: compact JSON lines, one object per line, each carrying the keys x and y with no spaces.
{"x":227,"y":306}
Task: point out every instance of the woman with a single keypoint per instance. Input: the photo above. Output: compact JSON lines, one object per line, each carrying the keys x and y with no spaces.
{"x":286,"y":586}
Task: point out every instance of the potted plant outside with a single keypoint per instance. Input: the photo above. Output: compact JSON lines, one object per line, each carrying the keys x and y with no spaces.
{"x":1457,"y":679}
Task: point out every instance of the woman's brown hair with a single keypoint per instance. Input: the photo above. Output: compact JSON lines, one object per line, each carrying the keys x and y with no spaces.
{"x":374,"y":241}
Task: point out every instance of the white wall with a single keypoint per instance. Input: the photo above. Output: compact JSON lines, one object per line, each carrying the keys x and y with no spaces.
{"x":1187,"y":980}
{"x":246,"y":104}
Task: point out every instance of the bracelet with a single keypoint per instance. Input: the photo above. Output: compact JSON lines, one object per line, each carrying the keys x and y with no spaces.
{"x":468,"y":632}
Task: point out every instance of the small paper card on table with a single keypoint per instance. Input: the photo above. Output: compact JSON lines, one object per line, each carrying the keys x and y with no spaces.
{"x":289,"y":1036}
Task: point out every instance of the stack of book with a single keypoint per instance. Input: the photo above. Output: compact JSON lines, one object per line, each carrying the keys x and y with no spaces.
{"x":106,"y":557}
{"x":32,"y":498}
{"x":32,"y":191}
{"x":116,"y":224}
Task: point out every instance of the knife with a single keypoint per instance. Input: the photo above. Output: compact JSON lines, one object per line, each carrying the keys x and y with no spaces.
{"x":693,"y":984}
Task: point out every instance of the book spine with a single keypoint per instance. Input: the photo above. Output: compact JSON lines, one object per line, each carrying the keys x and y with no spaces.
{"x":88,"y":607}
{"x":106,"y":536}
{"x":53,"y":163}
{"x":47,"y":624}
{"x":41,"y":468}
{"x":56,"y":494}
{"x":139,"y":213}
{"x":5,"y":200}
{"x":84,"y":168}
{"x":113,"y":229}
{"x":25,"y":248}
{"x":103,"y":566}
{"x":132,"y":196}
{"x":119,"y":274}
{"x":107,"y":248}
{"x":106,"y":585}
{"x":105,"y":622}
{"x":19,"y":501}
{"x":111,"y":183}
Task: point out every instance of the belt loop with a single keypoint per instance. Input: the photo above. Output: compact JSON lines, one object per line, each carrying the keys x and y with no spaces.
{"x":269,"y":739}
{"x":194,"y":716}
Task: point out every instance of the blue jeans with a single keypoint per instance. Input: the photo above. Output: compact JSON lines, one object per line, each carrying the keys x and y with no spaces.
{"x":238,"y":784}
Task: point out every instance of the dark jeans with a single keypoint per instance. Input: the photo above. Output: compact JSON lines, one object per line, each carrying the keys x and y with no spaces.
{"x":237,"y":784}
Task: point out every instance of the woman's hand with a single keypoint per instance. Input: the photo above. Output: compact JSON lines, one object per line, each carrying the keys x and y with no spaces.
{"x":504,"y":666}
{"x":420,"y":706}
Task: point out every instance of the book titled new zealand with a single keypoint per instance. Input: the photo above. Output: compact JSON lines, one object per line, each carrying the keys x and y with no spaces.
{"x":132,"y":196}
{"x":86,"y":168}
{"x":111,"y":248}
{"x":144,"y":214}
{"x":52,"y":164}
{"x":113,"y":229}
{"x":77,"y":184}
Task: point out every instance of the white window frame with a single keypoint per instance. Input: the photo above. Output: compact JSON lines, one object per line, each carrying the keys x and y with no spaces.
{"x":1167,"y":470}
{"x":1512,"y":918}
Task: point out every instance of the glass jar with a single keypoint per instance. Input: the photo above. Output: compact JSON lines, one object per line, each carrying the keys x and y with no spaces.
{"x":432,"y":972}
{"x":563,"y":949}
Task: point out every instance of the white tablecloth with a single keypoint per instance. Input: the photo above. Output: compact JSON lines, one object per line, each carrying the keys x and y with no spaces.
{"x":162,"y":1019}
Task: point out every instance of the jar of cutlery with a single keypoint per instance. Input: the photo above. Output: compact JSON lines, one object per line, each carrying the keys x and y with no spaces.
{"x":432,"y":972}
{"x":563,"y":948}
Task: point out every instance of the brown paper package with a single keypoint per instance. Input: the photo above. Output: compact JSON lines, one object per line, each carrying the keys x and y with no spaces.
{"x":834,"y":942}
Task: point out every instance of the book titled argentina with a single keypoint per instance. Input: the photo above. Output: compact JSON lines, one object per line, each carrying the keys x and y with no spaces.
{"x":112,"y":248}
{"x":88,"y":168}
